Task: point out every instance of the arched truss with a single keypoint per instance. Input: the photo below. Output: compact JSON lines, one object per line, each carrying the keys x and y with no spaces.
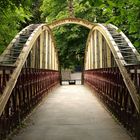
{"x":33,"y":47}
{"x":108,"y":47}
{"x":38,"y":50}
{"x":78,"y":21}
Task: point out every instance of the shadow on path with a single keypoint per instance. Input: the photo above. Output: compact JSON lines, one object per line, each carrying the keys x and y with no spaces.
{"x":71,"y":113}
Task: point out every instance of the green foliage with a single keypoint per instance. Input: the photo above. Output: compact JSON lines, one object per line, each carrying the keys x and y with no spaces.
{"x":54,"y":9}
{"x":70,"y":42}
{"x":1,"y":49}
{"x":124,"y":14}
{"x":10,"y":23}
{"x":71,"y":39}
{"x":13,"y":14}
{"x":35,"y":11}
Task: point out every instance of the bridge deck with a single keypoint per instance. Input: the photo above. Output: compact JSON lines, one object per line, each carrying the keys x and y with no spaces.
{"x":71,"y":113}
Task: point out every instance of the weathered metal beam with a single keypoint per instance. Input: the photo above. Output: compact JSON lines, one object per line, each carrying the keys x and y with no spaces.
{"x":78,"y":21}
{"x":111,"y":45}
{"x":33,"y":39}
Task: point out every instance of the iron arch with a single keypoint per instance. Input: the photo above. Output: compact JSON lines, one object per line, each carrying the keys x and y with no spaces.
{"x":78,"y":21}
{"x":106,"y":40}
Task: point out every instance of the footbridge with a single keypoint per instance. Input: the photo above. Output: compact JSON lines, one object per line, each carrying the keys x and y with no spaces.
{"x":29,"y":69}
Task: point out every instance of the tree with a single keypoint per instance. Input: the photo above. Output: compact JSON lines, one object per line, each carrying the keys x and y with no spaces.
{"x":125,"y":14}
{"x":16,"y":14}
{"x":70,"y":42}
{"x":70,"y":39}
{"x":12,"y":15}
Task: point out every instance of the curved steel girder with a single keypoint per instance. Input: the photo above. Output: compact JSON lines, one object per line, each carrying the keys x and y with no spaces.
{"x":27,"y":47}
{"x":120,"y":63}
{"x":78,"y":21}
{"x":128,"y":42}
{"x":13,"y":41}
{"x":20,"y":62}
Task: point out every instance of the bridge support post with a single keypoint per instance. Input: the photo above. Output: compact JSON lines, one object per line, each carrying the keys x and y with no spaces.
{"x":41,"y":50}
{"x":95,"y":49}
{"x":138,"y":128}
{"x":100,"y":49}
{"x":50,"y":54}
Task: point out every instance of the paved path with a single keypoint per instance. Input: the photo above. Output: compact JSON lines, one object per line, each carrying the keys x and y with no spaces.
{"x":71,"y":113}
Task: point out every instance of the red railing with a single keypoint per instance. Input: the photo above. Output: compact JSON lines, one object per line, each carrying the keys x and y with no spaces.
{"x":110,"y":88}
{"x":32,"y":85}
{"x":4,"y":76}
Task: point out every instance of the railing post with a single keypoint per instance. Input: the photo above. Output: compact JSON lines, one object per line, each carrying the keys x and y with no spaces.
{"x":109,"y":84}
{"x":138,"y":124}
{"x":31,"y":86}
{"x":82,"y":78}
{"x":138,"y":128}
